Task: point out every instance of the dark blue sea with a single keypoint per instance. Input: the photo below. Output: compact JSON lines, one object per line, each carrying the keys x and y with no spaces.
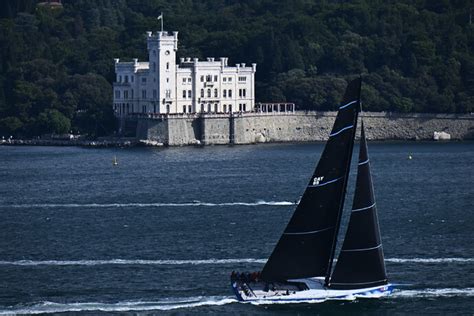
{"x":160,"y":232}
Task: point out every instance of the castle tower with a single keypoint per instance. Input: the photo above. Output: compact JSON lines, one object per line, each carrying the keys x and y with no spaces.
{"x":162,"y":47}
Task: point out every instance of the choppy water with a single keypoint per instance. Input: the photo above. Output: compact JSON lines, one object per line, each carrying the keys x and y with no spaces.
{"x":160,"y":232}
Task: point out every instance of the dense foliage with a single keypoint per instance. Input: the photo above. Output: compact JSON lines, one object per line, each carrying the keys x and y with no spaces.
{"x":56,"y":65}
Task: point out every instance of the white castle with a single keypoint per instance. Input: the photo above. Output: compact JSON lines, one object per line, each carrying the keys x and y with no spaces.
{"x":160,"y":86}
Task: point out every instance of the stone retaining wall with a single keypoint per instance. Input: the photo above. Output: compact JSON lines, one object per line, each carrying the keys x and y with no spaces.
{"x":247,"y":128}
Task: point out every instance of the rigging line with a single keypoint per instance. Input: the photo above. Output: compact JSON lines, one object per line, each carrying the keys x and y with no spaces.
{"x":363,"y":208}
{"x":310,"y":232}
{"x":341,"y":130}
{"x":362,"y":249}
{"x":346,"y":105}
{"x":363,"y":162}
{"x":324,"y":183}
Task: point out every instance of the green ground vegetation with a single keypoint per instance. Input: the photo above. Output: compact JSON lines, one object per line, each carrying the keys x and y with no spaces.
{"x":57,"y":70}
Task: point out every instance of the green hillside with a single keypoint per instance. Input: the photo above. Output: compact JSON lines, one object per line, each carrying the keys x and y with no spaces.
{"x":57,"y":69}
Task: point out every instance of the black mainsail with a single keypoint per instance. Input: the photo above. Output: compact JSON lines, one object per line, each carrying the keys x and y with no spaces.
{"x":307,"y":246}
{"x":361,"y":260}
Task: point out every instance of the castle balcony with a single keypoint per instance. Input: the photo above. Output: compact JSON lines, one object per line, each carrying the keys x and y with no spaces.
{"x":208,"y":99}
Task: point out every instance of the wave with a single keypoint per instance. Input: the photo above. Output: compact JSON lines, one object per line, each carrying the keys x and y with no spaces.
{"x":211,"y":261}
{"x":124,"y":205}
{"x":125,"y":306}
{"x":128,"y":262}
{"x":193,"y":302}
{"x":431,"y":292}
{"x":429,"y":260}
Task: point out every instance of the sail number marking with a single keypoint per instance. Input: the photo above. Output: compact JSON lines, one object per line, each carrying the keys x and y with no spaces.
{"x":316,"y":180}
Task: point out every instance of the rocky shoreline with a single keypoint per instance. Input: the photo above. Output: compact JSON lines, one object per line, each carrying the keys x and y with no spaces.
{"x":251,"y":128}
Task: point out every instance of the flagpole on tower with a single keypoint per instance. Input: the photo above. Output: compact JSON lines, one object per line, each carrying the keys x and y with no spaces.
{"x":161,"y":20}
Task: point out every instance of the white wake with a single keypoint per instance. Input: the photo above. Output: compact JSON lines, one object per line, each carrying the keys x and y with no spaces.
{"x":193,"y":302}
{"x":433,"y":292}
{"x":159,"y":305}
{"x":128,"y":262}
{"x":126,"y":205}
{"x":211,"y":261}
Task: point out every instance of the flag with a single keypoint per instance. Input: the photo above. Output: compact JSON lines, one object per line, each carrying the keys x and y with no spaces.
{"x":160,"y":17}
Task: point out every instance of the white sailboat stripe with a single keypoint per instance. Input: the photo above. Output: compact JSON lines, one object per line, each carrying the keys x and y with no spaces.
{"x":310,"y":232}
{"x":324,"y":183}
{"x":359,"y":282}
{"x":362,"y":249}
{"x":341,"y":130}
{"x":363,"y":162}
{"x":346,"y":105}
{"x":363,"y":208}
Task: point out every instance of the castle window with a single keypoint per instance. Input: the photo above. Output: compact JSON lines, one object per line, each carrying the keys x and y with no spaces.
{"x":132,"y":77}
{"x":230,"y":108}
{"x":189,"y":109}
{"x":245,"y":107}
{"x":184,"y":80}
{"x":224,"y":79}
{"x":167,"y":66}
{"x":143,"y":94}
{"x":240,"y":92}
{"x":143,"y":80}
{"x":225,"y":108}
{"x":167,"y":79}
{"x":209,"y":108}
{"x":168,"y":93}
{"x":202,"y":107}
{"x":189,"y":94}
{"x":224,"y":93}
{"x":242,"y":79}
{"x":244,"y":92}
{"x":230,"y":93}
{"x":216,"y":93}
{"x":126,"y":79}
{"x":117,"y":94}
{"x":125,"y":94}
{"x":208,"y":93}
{"x":202,"y":93}
{"x":215,"y":108}
{"x":119,"y":79}
{"x":167,"y":108}
{"x":215,"y":78}
{"x":154,"y":52}
{"x":184,"y":94}
{"x":189,"y":80}
{"x":208,"y":78}
{"x":202,"y":78}
{"x":229,"y":79}
{"x":184,"y":108}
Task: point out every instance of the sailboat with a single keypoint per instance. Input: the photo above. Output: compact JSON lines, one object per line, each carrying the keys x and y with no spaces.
{"x":300,"y":267}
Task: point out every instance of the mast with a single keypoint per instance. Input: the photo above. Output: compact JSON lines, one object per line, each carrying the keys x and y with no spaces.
{"x":343,"y":195}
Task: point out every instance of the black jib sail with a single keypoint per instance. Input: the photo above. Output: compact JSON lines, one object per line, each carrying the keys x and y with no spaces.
{"x":306,"y":247}
{"x":361,"y":261}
